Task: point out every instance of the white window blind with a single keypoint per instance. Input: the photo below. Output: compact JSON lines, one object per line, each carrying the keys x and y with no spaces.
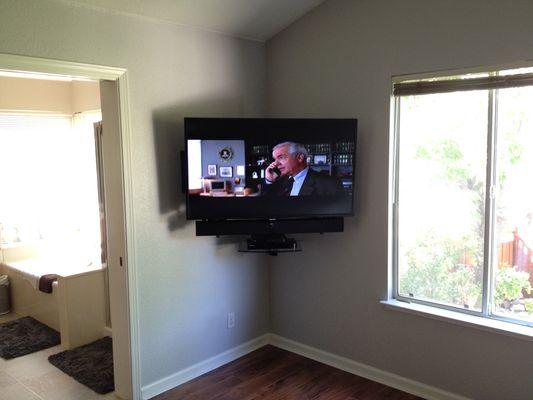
{"x":48,"y":181}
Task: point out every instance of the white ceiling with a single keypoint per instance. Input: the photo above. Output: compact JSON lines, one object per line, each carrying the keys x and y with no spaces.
{"x":251,"y":19}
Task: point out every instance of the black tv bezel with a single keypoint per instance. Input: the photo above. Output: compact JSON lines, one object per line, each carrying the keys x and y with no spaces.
{"x":234,"y":127}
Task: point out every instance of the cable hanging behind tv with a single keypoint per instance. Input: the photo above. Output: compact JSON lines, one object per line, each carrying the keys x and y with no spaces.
{"x":269,"y":177}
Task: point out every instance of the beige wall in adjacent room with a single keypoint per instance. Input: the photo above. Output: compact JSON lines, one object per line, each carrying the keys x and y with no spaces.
{"x":35,"y":95}
{"x":64,"y":97}
{"x":338,"y":61}
{"x":85,"y":96}
{"x":186,"y":284}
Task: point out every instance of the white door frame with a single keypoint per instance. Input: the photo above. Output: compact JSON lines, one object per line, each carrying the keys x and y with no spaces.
{"x":17,"y":63}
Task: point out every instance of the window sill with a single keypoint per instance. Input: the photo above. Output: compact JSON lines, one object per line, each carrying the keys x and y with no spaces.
{"x":486,"y":324}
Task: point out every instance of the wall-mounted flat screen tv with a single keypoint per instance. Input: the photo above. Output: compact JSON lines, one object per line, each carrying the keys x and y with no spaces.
{"x":250,"y":168}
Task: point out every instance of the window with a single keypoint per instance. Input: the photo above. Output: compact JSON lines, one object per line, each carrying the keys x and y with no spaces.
{"x":49,"y":183}
{"x":463,"y":193}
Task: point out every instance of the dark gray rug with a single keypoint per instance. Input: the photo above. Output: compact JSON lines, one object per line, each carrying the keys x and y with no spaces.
{"x":24,"y":336}
{"x":91,"y":364}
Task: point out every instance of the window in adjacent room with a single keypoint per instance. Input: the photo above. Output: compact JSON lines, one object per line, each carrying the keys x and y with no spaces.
{"x":463,"y":193}
{"x":49,"y":196}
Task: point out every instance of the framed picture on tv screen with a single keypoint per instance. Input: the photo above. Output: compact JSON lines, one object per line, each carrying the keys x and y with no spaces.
{"x":226,"y":172}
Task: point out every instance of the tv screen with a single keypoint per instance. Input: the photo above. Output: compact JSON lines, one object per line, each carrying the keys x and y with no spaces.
{"x":250,"y":168}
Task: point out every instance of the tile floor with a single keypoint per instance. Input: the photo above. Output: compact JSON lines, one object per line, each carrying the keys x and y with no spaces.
{"x":32,"y":377}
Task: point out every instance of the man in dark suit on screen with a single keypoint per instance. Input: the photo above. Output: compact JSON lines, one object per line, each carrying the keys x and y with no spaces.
{"x":289,"y":174}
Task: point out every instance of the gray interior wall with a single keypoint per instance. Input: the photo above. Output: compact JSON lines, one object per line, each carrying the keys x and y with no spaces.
{"x":186,"y":284}
{"x":338,"y":61}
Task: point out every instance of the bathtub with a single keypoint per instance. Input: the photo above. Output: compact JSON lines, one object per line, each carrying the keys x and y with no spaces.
{"x":76,"y":308}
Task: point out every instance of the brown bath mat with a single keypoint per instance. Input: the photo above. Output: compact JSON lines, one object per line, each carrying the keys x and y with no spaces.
{"x":24,"y":336}
{"x":91,"y":364}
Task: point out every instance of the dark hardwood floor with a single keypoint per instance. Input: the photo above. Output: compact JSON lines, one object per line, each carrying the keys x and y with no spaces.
{"x":274,"y":374}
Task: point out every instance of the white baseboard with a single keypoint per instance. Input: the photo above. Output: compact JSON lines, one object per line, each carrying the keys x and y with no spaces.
{"x":363,"y":370}
{"x":202,"y":367}
{"x":345,"y":364}
{"x":108,"y":331}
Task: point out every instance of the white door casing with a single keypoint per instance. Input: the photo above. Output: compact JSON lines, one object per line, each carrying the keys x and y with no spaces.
{"x":116,"y":239}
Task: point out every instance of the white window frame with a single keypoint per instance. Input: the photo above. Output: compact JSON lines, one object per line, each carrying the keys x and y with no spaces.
{"x":483,"y":318}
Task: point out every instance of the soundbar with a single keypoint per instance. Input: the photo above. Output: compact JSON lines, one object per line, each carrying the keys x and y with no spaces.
{"x":267,"y":227}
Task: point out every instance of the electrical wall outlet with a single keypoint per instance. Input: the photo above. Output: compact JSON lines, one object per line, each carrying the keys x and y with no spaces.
{"x":231,"y":320}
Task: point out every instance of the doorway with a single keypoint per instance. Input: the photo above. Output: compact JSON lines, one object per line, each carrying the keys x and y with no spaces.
{"x":117,"y":186}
